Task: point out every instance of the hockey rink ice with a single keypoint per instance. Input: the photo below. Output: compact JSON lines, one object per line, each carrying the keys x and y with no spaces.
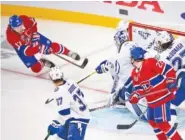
{"x":25,"y":116}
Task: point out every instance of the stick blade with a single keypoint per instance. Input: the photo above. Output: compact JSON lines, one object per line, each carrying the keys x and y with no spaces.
{"x":126,"y":126}
{"x":84,"y":63}
{"x":123,"y":126}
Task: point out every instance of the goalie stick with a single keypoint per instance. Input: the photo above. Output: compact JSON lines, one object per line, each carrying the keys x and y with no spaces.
{"x":80,"y":66}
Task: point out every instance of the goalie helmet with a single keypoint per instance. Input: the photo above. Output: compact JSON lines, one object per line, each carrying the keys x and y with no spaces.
{"x":163,"y":41}
{"x":120,"y":37}
{"x":56,"y":74}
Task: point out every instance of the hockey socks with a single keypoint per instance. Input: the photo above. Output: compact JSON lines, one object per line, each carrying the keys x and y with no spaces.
{"x":169,"y":131}
{"x":160,"y":135}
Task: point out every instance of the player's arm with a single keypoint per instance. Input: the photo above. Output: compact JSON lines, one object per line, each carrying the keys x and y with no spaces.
{"x":30,"y":22}
{"x":137,"y":90}
{"x":63,"y":105}
{"x":28,"y":50}
{"x":14,"y":40}
{"x":62,"y":102}
{"x":162,"y":68}
{"x":167,"y":71}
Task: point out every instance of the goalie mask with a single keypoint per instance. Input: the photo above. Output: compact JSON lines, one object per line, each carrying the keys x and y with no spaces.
{"x":56,"y":74}
{"x":120,"y":37}
{"x":163,"y":41}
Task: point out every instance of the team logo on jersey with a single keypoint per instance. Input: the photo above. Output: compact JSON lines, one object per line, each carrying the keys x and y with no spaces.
{"x":136,"y":77}
{"x":146,"y":86}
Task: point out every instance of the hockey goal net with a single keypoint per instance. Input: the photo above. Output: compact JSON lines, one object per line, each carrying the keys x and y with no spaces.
{"x":142,"y":33}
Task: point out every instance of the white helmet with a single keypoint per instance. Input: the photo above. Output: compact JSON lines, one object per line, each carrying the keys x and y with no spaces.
{"x":165,"y":37}
{"x":56,"y":73}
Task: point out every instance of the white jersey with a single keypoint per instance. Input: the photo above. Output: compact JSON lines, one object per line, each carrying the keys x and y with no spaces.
{"x":175,"y":55}
{"x":70,"y":103}
{"x":121,"y":66}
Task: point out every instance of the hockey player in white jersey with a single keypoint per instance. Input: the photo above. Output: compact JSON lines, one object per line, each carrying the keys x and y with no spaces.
{"x":73,"y":113}
{"x":120,"y":69}
{"x":172,"y":51}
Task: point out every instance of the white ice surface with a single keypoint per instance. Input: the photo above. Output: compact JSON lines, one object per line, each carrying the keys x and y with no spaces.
{"x":23,"y":112}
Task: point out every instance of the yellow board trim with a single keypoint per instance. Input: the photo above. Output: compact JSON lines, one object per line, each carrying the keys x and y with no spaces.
{"x":61,"y":15}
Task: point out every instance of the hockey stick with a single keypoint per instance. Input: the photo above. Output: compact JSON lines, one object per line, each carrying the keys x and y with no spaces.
{"x":49,"y":100}
{"x":105,"y":106}
{"x":128,"y":126}
{"x":86,"y":77}
{"x":80,"y":66}
{"x":142,"y":96}
{"x":47,"y":136}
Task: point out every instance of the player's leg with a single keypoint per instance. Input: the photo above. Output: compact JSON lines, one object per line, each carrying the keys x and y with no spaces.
{"x":57,"y":48}
{"x":180,"y":94}
{"x":76,"y":131}
{"x":150,"y":116}
{"x":29,"y":61}
{"x":162,"y":116}
{"x":63,"y":131}
{"x":38,"y":66}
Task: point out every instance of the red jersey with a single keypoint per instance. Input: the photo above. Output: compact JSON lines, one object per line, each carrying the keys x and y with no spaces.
{"x":152,"y":77}
{"x":17,"y":40}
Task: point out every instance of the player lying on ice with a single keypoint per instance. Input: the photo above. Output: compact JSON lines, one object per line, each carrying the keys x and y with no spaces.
{"x":150,"y":75}
{"x":23,"y":35}
{"x":73,"y":113}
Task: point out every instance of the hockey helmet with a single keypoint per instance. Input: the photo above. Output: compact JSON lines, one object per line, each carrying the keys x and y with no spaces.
{"x":120,"y":37}
{"x":15,"y":21}
{"x":165,"y":39}
{"x":137,"y":53}
{"x":56,"y":74}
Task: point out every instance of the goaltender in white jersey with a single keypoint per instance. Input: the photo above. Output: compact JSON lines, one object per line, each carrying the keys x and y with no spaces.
{"x":71,"y":109}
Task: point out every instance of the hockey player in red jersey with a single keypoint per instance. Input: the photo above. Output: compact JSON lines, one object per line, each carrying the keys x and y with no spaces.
{"x":150,"y":75}
{"x":22,"y":34}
